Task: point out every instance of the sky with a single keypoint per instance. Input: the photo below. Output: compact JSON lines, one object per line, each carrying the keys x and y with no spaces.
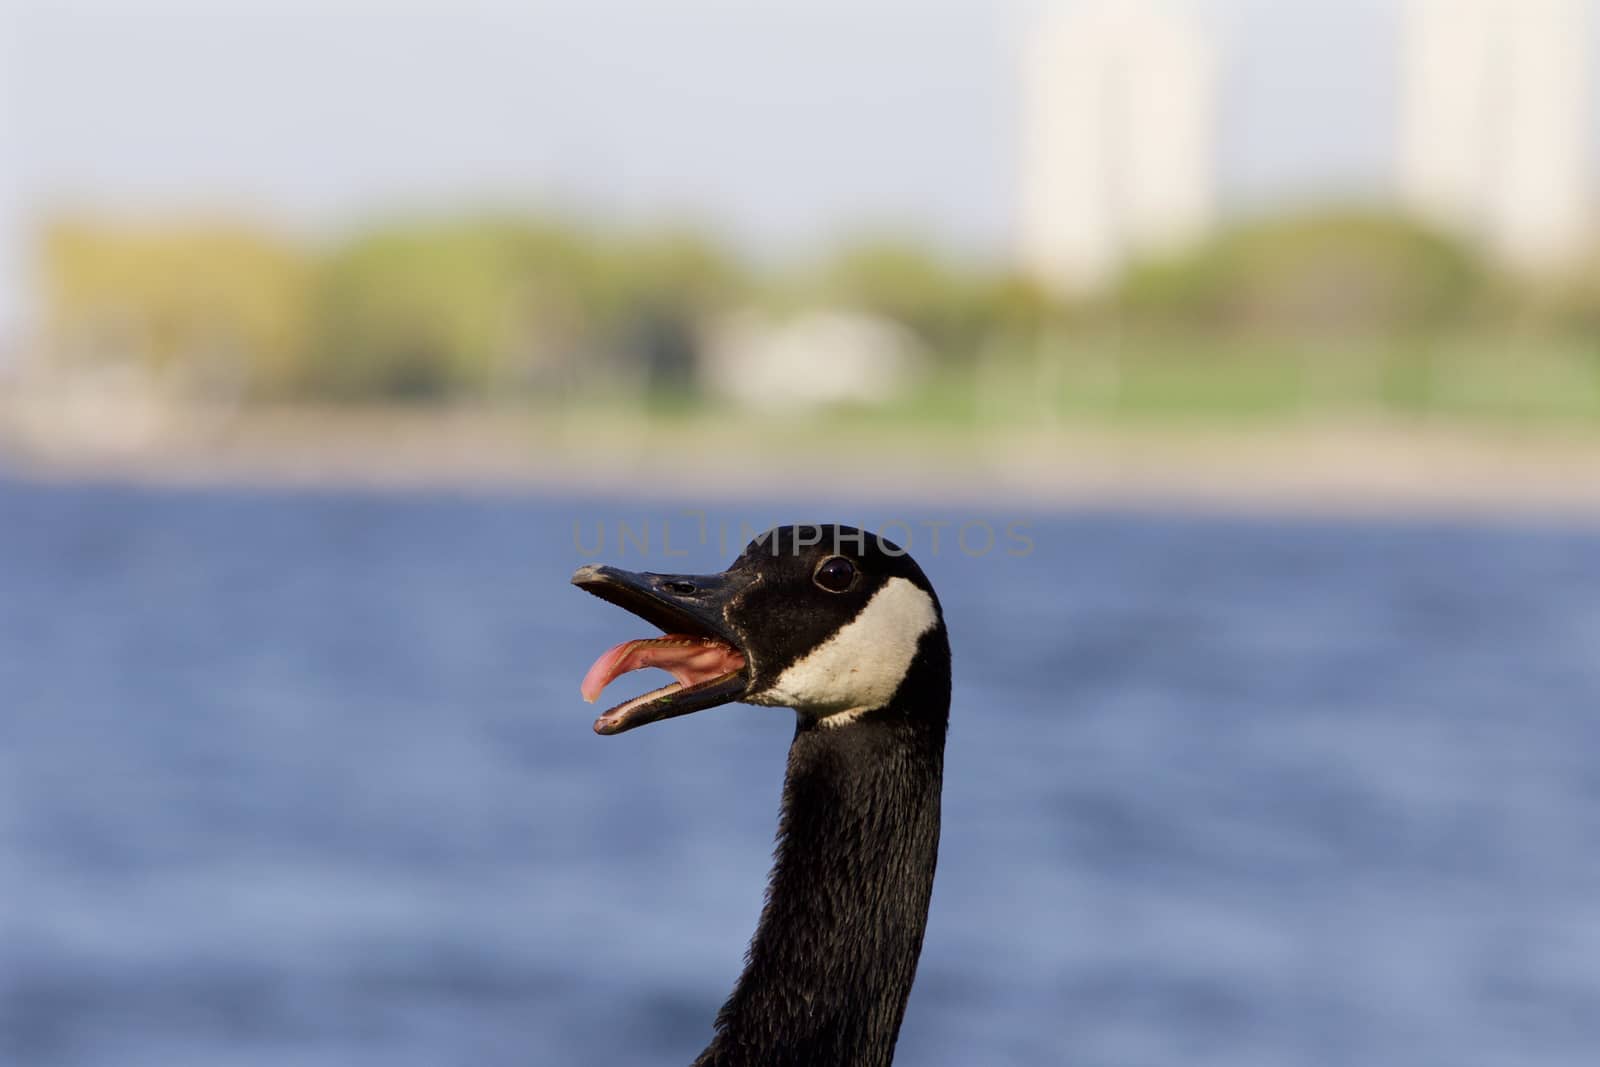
{"x":781,"y":124}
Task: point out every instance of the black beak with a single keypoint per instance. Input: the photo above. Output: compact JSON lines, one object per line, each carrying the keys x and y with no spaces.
{"x":692,"y":604}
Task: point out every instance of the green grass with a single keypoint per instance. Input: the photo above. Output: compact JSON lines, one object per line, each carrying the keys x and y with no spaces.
{"x":1467,"y":382}
{"x":1471,"y":380}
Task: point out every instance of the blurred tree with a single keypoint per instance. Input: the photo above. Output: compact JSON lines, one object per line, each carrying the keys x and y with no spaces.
{"x":1328,"y":273}
{"x":952,"y":308}
{"x":423,"y":311}
{"x":676,"y":266}
{"x":661,"y":288}
{"x":1575,"y":302}
{"x":1348,"y":301}
{"x":214,"y":308}
{"x":494,"y":304}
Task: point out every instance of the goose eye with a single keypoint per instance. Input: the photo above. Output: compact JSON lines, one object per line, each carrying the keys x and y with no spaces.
{"x":836,"y":574}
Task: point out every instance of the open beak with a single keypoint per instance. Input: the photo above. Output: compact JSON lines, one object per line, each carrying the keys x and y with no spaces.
{"x":698,"y":645}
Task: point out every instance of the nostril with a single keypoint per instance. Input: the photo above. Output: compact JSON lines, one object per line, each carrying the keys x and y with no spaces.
{"x":681,"y":588}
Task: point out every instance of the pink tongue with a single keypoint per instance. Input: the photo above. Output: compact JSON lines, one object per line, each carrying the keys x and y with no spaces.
{"x":690,"y":659}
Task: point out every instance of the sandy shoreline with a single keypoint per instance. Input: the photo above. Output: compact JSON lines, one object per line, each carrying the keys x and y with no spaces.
{"x":1289,"y":468}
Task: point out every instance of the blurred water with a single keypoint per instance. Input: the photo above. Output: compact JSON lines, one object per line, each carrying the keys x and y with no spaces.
{"x":303,"y":778}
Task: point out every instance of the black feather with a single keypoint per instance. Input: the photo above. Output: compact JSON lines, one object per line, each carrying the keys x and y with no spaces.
{"x":833,"y":959}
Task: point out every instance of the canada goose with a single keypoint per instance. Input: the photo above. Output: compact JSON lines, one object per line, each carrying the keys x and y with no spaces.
{"x":842,"y":626}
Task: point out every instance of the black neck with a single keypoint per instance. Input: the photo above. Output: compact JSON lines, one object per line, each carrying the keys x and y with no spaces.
{"x":831,"y":964}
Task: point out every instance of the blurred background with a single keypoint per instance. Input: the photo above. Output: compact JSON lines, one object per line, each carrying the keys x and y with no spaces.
{"x":334,"y":336}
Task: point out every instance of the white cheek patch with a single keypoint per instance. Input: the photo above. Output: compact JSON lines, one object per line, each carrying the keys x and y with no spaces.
{"x":859,"y":667}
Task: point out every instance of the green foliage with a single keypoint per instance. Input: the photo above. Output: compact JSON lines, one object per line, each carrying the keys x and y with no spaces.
{"x":219,"y":304}
{"x":1327,"y":273}
{"x":1574,"y":305}
{"x":951,"y":305}
{"x":489,"y":305}
{"x":1326,"y":309}
{"x":407,"y":310}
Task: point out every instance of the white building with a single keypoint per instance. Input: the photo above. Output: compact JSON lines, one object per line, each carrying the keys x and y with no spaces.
{"x":814,"y":361}
{"x":1119,"y":140}
{"x":1493,"y":124}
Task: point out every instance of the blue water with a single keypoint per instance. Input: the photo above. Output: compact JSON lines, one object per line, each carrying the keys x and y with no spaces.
{"x":303,"y":779}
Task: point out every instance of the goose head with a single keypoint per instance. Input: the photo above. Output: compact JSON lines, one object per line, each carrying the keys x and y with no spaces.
{"x":828,"y":620}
